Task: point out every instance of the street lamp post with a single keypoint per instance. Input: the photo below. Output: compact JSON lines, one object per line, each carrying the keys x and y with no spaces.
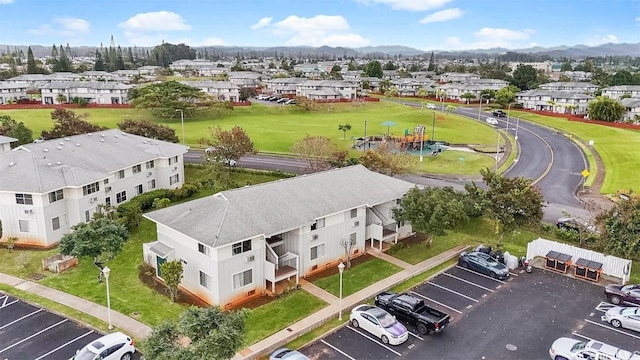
{"x":341,"y":269}
{"x":182,"y":122}
{"x":480,"y":107}
{"x":518,"y":124}
{"x":508,"y":115}
{"x":498,"y":149}
{"x":106,"y":271}
{"x":421,"y":146}
{"x":364,"y":138}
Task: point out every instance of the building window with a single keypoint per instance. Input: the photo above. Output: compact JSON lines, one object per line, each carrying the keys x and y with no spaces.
{"x":206,"y":280}
{"x":24,"y":199}
{"x":136,"y":169}
{"x":203,"y":249}
{"x":317,"y":251}
{"x":242,"y":279}
{"x":149,"y":165}
{"x":120,"y":174}
{"x":352,"y":238}
{"x":56,"y":195}
{"x":173,"y":160}
{"x":24,"y":225}
{"x":138,"y":189}
{"x":58,"y":222}
{"x":354,"y":213}
{"x":239,"y":248}
{"x":319,"y":224}
{"x":121,"y":196}
{"x":106,"y":181}
{"x":151,"y":184}
{"x":90,"y":189}
{"x":174,"y":179}
{"x":107,"y":200}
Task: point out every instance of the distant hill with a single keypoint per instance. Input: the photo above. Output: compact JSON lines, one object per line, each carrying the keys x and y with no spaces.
{"x":575,"y":51}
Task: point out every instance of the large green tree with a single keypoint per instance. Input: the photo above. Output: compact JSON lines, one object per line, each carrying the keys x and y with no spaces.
{"x":620,"y":229}
{"x":32,"y":68}
{"x":433,"y":210}
{"x":605,"y":109}
{"x":506,"y":95}
{"x":148,"y":129}
{"x":317,"y":150}
{"x":510,"y":202}
{"x":68,"y":123}
{"x":228,"y":146}
{"x":166,"y":98}
{"x":11,"y":128}
{"x":386,"y":161}
{"x":525,"y":77}
{"x":373,"y":69}
{"x":101,"y":239}
{"x":211,"y":334}
{"x":622,"y":77}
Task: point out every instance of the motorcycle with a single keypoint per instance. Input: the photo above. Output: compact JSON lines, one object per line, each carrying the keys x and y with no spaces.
{"x":526,"y":264}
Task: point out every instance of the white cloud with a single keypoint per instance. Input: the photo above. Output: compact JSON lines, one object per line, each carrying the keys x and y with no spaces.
{"x":72,"y":25}
{"x":442,"y":16}
{"x":316,"y":31}
{"x":64,"y":26}
{"x":500,"y":35}
{"x":487,"y":38}
{"x":213,"y":41}
{"x":599,"y":40}
{"x":410,"y":5}
{"x":158,"y":21}
{"x":3,"y":2}
{"x":265,"y":21}
{"x":41,"y":30}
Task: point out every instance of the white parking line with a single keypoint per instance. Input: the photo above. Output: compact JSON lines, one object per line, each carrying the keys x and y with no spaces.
{"x":334,"y":348}
{"x":612,"y":328}
{"x":372,"y":339}
{"x":63,"y":345}
{"x":414,"y":335}
{"x":18,"y":319}
{"x":483,"y":275}
{"x":604,"y":306}
{"x":34,"y":335}
{"x":453,"y":292}
{"x":436,"y":302}
{"x":581,"y":336}
{"x":468,"y":282}
{"x":4,"y":303}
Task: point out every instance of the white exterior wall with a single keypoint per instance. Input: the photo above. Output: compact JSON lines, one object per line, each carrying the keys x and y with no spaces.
{"x":102,"y":96}
{"x":228,"y":265}
{"x":12,"y":93}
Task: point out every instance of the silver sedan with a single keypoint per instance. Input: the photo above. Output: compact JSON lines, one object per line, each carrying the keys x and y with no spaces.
{"x":626,"y":317}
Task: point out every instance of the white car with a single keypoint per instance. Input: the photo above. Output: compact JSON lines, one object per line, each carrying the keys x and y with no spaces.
{"x":492,"y":121}
{"x":626,"y":317}
{"x":379,"y":323}
{"x":431,"y":106}
{"x":287,"y":354}
{"x":115,"y":346}
{"x":210,"y":155}
{"x":572,"y":349}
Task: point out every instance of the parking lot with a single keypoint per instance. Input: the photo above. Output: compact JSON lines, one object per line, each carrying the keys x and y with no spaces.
{"x":491,"y":319}
{"x":30,"y":332}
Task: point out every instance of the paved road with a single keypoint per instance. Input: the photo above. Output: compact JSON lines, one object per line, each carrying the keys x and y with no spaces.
{"x":491,"y":319}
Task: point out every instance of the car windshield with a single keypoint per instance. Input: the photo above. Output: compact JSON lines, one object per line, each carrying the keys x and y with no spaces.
{"x":386,"y":320}
{"x":85,"y":354}
{"x":630,"y":287}
{"x":629,"y":311}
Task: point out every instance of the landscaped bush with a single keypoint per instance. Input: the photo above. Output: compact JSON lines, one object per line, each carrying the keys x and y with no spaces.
{"x":146,"y":199}
{"x":186,"y":191}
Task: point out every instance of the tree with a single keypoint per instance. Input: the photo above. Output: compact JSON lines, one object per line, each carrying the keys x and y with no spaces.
{"x":605,"y":109}
{"x":566,"y":66}
{"x":391,"y":92}
{"x":620,"y":229}
{"x":344,"y":128}
{"x":506,"y":95}
{"x":63,"y":64}
{"x":432,"y":210}
{"x":510,"y":202}
{"x":61,"y":98}
{"x":172,"y":275}
{"x":432,"y":64}
{"x":564,"y":78}
{"x":525,"y":77}
{"x":228,"y":146}
{"x":68,"y":123}
{"x":622,"y":77}
{"x":99,"y":65}
{"x":247,"y":92}
{"x":317,"y":150}
{"x":422,"y":92}
{"x":32,"y":68}
{"x":385,"y":161}
{"x":468,"y":96}
{"x":385,"y":85}
{"x":167,"y":97}
{"x":149,"y":129}
{"x":18,"y":130}
{"x":102,"y":239}
{"x":211,"y":333}
{"x":373,"y":69}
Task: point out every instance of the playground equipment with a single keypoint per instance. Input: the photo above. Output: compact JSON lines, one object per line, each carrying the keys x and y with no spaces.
{"x":414,"y":141}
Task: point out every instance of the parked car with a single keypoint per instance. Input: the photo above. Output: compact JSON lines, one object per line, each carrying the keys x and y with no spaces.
{"x":115,"y":346}
{"x":574,"y":224}
{"x":262,"y":97}
{"x":619,"y":294}
{"x":431,"y":106}
{"x":291,"y":102}
{"x":499,"y":113}
{"x":379,"y":323}
{"x":412,"y":310}
{"x":484,"y":264}
{"x":210,"y":154}
{"x":571,"y":349}
{"x":287,"y":354}
{"x":275,"y":98}
{"x":282,"y":100}
{"x":492,"y":121}
{"x":626,"y":317}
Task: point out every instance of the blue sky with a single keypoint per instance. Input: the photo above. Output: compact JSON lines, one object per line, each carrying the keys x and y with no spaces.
{"x":421,"y":24}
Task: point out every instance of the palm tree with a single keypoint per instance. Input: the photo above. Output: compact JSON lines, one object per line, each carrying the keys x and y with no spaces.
{"x":571,"y":109}
{"x":61,"y":99}
{"x":467,"y":96}
{"x":552,"y":104}
{"x":344,"y":128}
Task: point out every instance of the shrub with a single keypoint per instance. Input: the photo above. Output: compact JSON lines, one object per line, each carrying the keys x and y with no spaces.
{"x":146,"y":274}
{"x":186,"y":191}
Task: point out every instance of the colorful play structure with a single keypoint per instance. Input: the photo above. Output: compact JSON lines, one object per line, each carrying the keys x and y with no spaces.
{"x":409,"y":141}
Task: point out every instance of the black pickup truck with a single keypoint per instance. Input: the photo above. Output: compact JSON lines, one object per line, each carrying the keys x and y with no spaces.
{"x":499,"y":113}
{"x":414,"y":311}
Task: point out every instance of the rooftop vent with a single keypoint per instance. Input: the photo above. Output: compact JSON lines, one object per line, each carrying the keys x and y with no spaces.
{"x":12,"y":163}
{"x":45,"y":150}
{"x":102,"y":135}
{"x":89,"y":134}
{"x":59,"y":163}
{"x":101,"y":140}
{"x":61,"y":143}
{"x":115,"y":136}
{"x":59,"y":148}
{"x":66,"y":139}
{"x":77,"y":144}
{"x":49,"y":164}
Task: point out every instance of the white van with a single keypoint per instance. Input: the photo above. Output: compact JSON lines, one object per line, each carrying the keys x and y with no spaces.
{"x":572,"y":349}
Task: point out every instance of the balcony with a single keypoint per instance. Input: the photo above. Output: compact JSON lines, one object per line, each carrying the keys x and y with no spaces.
{"x":279,"y":268}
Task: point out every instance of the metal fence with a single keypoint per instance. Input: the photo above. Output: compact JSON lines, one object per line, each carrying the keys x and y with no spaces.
{"x":611,"y":265}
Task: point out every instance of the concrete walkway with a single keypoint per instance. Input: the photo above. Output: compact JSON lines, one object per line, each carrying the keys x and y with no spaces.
{"x":321,"y":317}
{"x":123,"y":322}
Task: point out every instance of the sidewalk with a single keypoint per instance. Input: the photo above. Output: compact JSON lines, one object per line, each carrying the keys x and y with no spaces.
{"x":128,"y":325}
{"x":319,"y":318}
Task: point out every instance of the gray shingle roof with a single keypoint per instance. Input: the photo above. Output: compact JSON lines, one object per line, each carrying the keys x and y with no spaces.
{"x":77,"y":160}
{"x":98,"y":85}
{"x":279,"y":206}
{"x":7,"y":139}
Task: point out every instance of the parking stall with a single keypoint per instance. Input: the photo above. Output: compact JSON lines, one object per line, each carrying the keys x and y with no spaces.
{"x":593,"y":327}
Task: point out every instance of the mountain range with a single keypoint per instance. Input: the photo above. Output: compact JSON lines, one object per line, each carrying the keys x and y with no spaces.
{"x":557,"y":52}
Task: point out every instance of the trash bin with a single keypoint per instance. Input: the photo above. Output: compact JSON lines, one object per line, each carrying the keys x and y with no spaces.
{"x":557,"y":261}
{"x":587,"y":269}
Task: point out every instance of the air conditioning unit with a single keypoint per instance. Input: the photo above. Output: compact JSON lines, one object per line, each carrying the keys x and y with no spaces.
{"x":107,"y":189}
{"x":250,"y":258}
{"x":28,"y":211}
{"x":175,"y":168}
{"x":149,"y":173}
{"x":314,"y":237}
{"x":356,"y":223}
{"x":94,"y":199}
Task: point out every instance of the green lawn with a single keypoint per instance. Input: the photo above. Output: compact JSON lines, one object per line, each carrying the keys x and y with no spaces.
{"x":280,"y":313}
{"x":358,"y":277}
{"x":616,"y":147}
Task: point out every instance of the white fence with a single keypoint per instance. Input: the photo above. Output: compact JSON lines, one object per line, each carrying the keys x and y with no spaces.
{"x":611,"y":265}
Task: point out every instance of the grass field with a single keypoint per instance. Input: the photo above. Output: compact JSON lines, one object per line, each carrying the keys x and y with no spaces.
{"x":358,"y":277}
